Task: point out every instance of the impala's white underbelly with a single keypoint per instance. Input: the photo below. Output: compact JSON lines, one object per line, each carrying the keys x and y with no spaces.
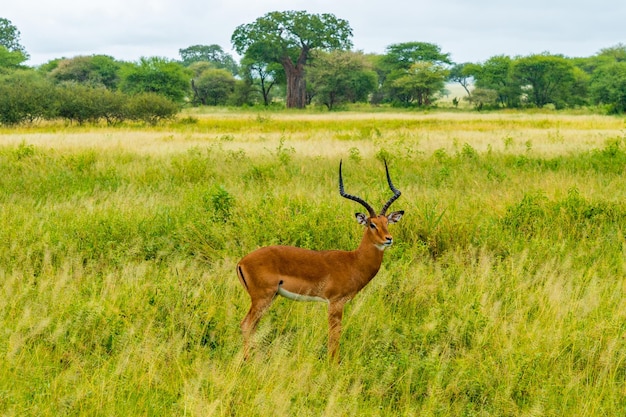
{"x":299,"y":297}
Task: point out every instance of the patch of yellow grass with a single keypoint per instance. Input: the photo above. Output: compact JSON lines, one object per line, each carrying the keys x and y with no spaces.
{"x":334,"y":134}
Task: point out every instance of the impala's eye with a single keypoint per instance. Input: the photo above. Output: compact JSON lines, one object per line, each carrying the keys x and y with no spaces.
{"x":372,"y":226}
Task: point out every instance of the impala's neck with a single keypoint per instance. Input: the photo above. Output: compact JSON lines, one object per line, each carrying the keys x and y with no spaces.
{"x":370,"y":257}
{"x":370,"y":247}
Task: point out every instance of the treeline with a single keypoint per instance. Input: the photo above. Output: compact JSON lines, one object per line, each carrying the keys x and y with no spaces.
{"x":293,"y":69}
{"x":26,"y":97}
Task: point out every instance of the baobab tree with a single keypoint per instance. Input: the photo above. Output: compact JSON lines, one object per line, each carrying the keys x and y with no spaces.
{"x":288,"y":38}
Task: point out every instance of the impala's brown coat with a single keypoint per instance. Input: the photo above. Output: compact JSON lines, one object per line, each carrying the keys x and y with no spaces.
{"x":334,"y":276}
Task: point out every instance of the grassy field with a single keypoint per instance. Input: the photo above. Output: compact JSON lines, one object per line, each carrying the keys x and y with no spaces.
{"x":502,"y":296}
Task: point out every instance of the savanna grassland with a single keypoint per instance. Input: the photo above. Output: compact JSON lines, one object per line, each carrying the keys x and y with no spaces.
{"x":503,"y":294}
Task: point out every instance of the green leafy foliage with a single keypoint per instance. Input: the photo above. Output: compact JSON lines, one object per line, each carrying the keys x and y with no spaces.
{"x":608,"y":86}
{"x":288,"y":38}
{"x":340,"y":77}
{"x":95,"y":70}
{"x":10,"y":39}
{"x":211,"y":54}
{"x":213,"y":87}
{"x":25,"y":97}
{"x":550,"y":78}
{"x":150,"y":108}
{"x":156,"y":75}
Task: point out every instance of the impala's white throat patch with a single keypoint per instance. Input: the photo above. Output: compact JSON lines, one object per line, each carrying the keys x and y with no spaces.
{"x":384,"y":245}
{"x":299,"y":297}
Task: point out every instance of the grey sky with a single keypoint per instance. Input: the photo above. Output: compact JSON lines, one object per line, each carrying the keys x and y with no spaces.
{"x":469,"y":31}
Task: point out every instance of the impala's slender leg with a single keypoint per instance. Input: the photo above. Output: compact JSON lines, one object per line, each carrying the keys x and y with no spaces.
{"x":335,"y":314}
{"x":250,"y":322}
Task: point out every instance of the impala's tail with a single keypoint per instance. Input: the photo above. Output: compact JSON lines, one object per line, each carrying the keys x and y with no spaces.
{"x":241,"y":277}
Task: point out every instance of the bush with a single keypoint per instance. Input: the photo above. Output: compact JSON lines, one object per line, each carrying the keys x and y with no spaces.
{"x":79,"y":103}
{"x":150,"y":108}
{"x":25,"y":97}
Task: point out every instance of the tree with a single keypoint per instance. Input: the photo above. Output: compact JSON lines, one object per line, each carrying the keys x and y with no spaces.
{"x":12,"y":54}
{"x":398,"y":63}
{"x":400,"y":56}
{"x":340,"y":76}
{"x":10,"y":60}
{"x":495,"y":74}
{"x":95,"y":70}
{"x":616,"y":53}
{"x":462,"y":74}
{"x":25,"y":96}
{"x":79,"y":102}
{"x":244,"y":93}
{"x":420,"y":83}
{"x":606,"y":56}
{"x":264,"y":75}
{"x":150,"y":108}
{"x":608,"y":86}
{"x":156,"y":75}
{"x":10,"y":37}
{"x":213,"y":86}
{"x":213,"y":54}
{"x":483,"y":97}
{"x":549,"y":78}
{"x":288,"y":38}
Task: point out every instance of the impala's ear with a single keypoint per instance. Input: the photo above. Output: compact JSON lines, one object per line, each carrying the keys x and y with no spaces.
{"x":395,"y":216}
{"x":361,"y":218}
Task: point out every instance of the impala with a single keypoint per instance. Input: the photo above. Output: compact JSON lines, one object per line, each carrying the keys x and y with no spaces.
{"x":331,"y":276}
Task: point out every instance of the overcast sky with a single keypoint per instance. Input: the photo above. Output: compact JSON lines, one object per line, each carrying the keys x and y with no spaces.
{"x":471,"y":31}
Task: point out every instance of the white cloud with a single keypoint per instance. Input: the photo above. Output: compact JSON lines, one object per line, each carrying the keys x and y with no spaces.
{"x":129,"y":29}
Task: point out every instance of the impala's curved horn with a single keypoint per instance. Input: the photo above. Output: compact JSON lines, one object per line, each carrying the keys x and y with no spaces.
{"x":396,"y":193}
{"x":359,"y":200}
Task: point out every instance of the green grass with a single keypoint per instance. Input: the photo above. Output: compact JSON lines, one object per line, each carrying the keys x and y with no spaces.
{"x":502,"y":296}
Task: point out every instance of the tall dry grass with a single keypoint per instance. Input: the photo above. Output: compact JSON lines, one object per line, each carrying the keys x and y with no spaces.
{"x":503,"y":294}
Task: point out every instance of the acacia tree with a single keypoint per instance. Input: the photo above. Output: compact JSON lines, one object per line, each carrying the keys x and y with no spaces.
{"x":262,"y":75}
{"x":341,"y":76}
{"x":25,"y":96}
{"x":495,"y":75}
{"x":403,"y":55}
{"x":10,"y":37}
{"x":156,"y":75}
{"x":608,"y":86}
{"x":213,"y":86}
{"x":213,"y":54}
{"x":12,"y":53}
{"x":462,"y":74}
{"x":94,"y":70}
{"x":420,"y":83}
{"x":549,"y":78}
{"x":288,"y":38}
{"x":398,"y":63}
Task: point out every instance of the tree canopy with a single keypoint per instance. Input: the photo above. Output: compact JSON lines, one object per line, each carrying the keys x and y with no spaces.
{"x":213,"y":54}
{"x":340,"y":77}
{"x":12,"y":53}
{"x":495,"y":75}
{"x":545,"y":76}
{"x":310,"y":57}
{"x":412,"y":73}
{"x":10,"y":37}
{"x":156,"y":75}
{"x":288,"y":38}
{"x":404,"y":55}
{"x":96,"y":70}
